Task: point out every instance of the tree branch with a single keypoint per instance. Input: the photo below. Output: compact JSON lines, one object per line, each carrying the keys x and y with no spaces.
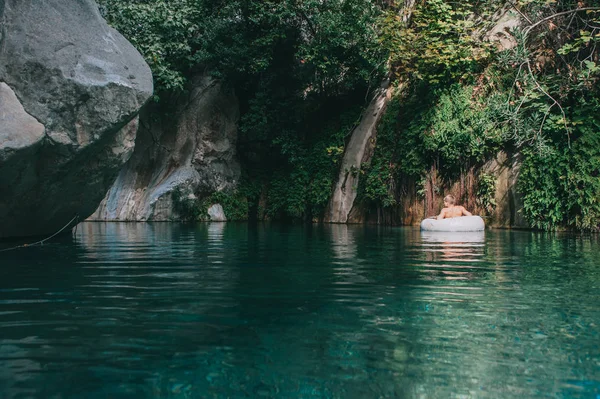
{"x":550,"y":97}
{"x":541,"y":21}
{"x":513,"y":5}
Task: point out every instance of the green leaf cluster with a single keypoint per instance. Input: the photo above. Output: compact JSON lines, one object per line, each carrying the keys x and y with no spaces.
{"x":440,"y":41}
{"x":329,"y":46}
{"x":235,"y":204}
{"x":561,"y":188}
{"x":380,"y":175}
{"x":165,"y":33}
{"x":300,"y":185}
{"x":450,"y":128}
{"x":191,"y":208}
{"x":486,"y":191}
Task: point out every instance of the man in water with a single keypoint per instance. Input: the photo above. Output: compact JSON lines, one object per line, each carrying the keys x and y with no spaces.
{"x":450,"y":210}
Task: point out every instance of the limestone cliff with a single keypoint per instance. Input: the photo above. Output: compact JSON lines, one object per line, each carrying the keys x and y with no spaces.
{"x":345,"y":191}
{"x":193,"y":149}
{"x":70,"y":91}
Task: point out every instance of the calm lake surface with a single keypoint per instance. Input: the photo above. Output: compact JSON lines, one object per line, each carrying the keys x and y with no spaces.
{"x":165,"y":310}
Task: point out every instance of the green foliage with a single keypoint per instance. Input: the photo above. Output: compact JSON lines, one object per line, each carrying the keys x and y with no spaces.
{"x":561,"y":188}
{"x":191,"y":208}
{"x":455,"y":131}
{"x":287,"y":194}
{"x":450,"y":128}
{"x":440,"y":42}
{"x":235,"y":205}
{"x":486,"y":191}
{"x":458,"y":129}
{"x":163,"y":31}
{"x":303,"y":188}
{"x":340,"y":51}
{"x":552,"y":65}
{"x":330,"y":47}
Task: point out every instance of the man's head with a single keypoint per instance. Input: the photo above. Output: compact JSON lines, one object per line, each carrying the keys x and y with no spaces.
{"x":449,"y":200}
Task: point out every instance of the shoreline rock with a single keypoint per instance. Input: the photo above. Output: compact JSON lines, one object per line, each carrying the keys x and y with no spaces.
{"x":71,"y":88}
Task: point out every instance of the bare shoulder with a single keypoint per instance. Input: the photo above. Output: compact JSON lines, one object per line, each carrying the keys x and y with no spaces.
{"x":465,"y":212}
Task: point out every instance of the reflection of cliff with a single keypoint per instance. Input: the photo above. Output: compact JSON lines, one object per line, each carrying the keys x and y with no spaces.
{"x":344,"y":246}
{"x":193,"y":149}
{"x":158,"y":262}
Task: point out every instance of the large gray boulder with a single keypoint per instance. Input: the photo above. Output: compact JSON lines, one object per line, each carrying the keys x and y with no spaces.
{"x":191,"y":149}
{"x":70,"y":91}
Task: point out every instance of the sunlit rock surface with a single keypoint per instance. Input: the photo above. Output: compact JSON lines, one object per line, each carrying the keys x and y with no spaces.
{"x":501,"y":33}
{"x":70,"y":90}
{"x":216,"y":213}
{"x":192,"y":149}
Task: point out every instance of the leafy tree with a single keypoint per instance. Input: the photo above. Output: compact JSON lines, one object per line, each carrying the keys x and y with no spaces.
{"x":440,"y":42}
{"x":165,"y":32}
{"x":331,"y":46}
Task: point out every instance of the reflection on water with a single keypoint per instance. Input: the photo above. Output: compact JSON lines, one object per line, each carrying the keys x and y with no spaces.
{"x":451,"y":255}
{"x":454,"y":247}
{"x":235,"y":310}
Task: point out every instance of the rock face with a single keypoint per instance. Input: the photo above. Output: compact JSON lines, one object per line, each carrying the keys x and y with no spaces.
{"x":70,"y":91}
{"x":506,"y":20}
{"x":194,"y":151}
{"x":509,"y":202}
{"x":345,"y":191}
{"x":216,"y":213}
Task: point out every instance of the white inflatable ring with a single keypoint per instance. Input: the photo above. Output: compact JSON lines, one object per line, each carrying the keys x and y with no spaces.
{"x":462,"y":223}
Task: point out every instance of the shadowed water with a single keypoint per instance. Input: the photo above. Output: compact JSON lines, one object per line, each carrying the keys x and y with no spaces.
{"x":235,"y":310}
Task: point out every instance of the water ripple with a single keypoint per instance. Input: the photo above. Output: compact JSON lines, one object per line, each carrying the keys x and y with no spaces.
{"x":235,"y":310}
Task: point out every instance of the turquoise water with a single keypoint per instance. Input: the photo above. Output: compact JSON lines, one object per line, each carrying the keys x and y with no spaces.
{"x":234,"y":310}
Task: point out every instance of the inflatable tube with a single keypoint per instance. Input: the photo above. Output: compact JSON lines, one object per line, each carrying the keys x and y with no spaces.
{"x":463,"y":223}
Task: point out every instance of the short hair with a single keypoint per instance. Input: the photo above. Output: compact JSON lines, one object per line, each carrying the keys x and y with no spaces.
{"x":450,"y":199}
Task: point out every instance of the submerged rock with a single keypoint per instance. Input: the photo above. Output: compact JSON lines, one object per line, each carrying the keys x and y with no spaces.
{"x":70,"y":91}
{"x":191,"y":150}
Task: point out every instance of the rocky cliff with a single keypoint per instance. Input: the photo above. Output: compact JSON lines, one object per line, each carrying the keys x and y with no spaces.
{"x":70,"y":91}
{"x":192,"y":150}
{"x":346,"y":189}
